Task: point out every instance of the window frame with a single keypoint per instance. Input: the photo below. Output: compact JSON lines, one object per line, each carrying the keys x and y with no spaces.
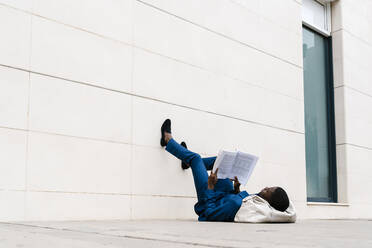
{"x":327,"y":19}
{"x":332,"y":162}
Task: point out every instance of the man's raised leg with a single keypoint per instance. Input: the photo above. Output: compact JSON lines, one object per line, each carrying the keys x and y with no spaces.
{"x":199,"y":171}
{"x":209,"y":162}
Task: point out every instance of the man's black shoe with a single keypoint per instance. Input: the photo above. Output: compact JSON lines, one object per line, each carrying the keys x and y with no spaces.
{"x":166,"y":127}
{"x":183,"y":164}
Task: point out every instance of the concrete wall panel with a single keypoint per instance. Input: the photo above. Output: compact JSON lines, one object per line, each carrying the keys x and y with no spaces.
{"x":63,"y":107}
{"x":14,"y":88}
{"x":15,"y":38}
{"x":112,"y":19}
{"x":13,"y":147}
{"x":70,"y":53}
{"x":77,"y":165}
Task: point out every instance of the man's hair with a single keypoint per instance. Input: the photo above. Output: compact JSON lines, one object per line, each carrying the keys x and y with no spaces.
{"x":279,"y":199}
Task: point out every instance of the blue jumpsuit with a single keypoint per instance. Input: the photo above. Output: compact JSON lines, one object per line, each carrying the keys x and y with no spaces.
{"x":220,"y":204}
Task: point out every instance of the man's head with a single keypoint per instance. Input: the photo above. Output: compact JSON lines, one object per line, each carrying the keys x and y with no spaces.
{"x":276,"y":197}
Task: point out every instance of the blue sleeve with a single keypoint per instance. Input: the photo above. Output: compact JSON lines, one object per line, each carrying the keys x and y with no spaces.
{"x":243,"y":194}
{"x":226,"y":208}
{"x":224,"y":185}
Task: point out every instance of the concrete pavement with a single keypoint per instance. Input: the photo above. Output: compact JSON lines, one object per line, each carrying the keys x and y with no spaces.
{"x":161,"y":233}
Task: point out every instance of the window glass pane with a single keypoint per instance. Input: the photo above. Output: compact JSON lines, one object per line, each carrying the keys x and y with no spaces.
{"x":316,"y":112}
{"x":314,"y":13}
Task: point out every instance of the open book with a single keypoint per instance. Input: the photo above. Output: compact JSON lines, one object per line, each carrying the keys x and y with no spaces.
{"x":231,"y":164}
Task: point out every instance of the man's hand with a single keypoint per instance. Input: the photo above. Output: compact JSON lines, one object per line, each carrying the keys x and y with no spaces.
{"x":236,"y":185}
{"x":212,"y":179}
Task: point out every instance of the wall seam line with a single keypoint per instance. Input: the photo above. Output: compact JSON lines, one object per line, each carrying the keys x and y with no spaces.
{"x":205,"y":154}
{"x":164,"y":11}
{"x":256,"y":85}
{"x":28,"y":125}
{"x":218,"y":33}
{"x":224,"y":75}
{"x":165,"y":102}
{"x":100,"y":193}
{"x":353,"y":89}
{"x":131,"y":120}
{"x":357,"y":37}
{"x":359,"y":146}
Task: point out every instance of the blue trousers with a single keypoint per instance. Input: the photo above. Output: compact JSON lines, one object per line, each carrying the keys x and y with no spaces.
{"x":219,"y":204}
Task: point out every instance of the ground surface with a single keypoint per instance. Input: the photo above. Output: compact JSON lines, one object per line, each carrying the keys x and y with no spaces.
{"x":109,"y":234}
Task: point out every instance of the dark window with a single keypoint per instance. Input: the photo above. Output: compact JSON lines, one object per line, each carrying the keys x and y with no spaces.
{"x":319,"y":118}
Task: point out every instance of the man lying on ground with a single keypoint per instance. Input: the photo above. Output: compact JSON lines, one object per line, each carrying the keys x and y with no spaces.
{"x":219,"y":199}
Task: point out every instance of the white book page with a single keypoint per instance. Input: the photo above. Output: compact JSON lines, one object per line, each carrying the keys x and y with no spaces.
{"x":224,"y":162}
{"x":243,"y":167}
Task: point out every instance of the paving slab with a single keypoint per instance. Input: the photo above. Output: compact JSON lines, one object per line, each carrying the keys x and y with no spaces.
{"x":177,"y":233}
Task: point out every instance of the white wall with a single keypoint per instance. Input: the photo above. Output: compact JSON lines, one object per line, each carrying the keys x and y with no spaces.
{"x":353,"y":92}
{"x":85,"y":86}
